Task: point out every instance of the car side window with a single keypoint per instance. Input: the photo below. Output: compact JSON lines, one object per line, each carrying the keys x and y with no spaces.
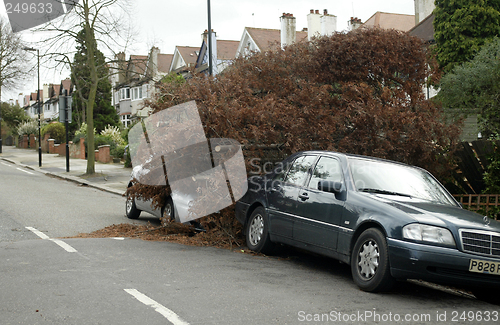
{"x":299,"y":169}
{"x":280,"y":171}
{"x":327,"y":169}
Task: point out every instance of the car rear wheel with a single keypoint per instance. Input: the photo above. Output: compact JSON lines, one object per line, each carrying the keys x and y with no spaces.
{"x":257,"y":232}
{"x":167,"y":213}
{"x":130,"y":209}
{"x":370,"y":262}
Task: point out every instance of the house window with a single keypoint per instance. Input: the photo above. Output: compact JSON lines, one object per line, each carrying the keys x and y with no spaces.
{"x":144,"y":90}
{"x":125,"y":93}
{"x":125,"y":119}
{"x":140,"y":92}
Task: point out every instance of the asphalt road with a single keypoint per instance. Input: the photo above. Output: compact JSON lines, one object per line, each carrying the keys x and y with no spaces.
{"x":130,"y":281}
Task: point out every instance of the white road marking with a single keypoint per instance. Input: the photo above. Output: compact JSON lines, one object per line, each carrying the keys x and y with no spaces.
{"x":25,"y":171}
{"x":167,"y":313}
{"x":66,"y":247}
{"x":59,"y":242}
{"x":38,"y":233}
{"x":6,"y":164}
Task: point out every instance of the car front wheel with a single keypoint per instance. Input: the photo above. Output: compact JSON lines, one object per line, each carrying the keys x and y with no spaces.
{"x":370,"y":262}
{"x":257,"y":232}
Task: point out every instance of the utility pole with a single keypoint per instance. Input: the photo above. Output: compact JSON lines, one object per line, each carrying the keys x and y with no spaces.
{"x":210,"y":70}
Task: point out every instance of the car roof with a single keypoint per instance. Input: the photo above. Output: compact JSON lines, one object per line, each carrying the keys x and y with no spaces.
{"x":349,"y":155}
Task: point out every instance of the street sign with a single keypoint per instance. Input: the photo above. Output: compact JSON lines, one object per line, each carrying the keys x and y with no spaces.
{"x":65,"y":103}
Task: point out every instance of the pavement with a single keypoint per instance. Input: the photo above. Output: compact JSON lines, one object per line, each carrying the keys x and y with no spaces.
{"x":112,"y":177}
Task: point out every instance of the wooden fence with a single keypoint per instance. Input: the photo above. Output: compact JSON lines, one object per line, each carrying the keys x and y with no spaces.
{"x":473,"y":160}
{"x":483,"y":203}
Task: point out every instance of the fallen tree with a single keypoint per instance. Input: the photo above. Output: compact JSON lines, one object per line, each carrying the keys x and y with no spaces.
{"x":359,"y":92}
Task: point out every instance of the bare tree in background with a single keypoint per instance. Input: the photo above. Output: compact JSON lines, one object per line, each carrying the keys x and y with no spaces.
{"x":102,"y":23}
{"x":13,"y":67}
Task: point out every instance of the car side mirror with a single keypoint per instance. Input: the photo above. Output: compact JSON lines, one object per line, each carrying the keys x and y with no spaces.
{"x":329,"y":186}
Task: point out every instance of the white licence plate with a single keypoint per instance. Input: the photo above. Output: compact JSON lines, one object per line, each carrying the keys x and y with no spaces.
{"x":480,"y":266}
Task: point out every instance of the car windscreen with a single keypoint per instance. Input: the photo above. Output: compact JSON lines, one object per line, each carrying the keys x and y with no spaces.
{"x":386,"y":178}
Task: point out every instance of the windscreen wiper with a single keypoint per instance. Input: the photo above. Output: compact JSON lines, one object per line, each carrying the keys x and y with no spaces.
{"x":378,"y":191}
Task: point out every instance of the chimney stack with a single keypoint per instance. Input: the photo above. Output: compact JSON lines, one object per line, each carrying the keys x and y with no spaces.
{"x":313,"y":24}
{"x":328,"y":24}
{"x":320,"y":25}
{"x":354,"y":23}
{"x":288,"y":29}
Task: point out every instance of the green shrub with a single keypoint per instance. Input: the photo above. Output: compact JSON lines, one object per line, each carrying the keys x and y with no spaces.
{"x":492,"y":175}
{"x":118,"y":151}
{"x":114,"y":133}
{"x":101,"y":140}
{"x":28,"y":127}
{"x":77,"y":137}
{"x":56,"y":131}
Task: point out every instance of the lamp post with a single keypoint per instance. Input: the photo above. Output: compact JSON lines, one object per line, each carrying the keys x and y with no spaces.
{"x":38,"y":100}
{"x":210,"y":68}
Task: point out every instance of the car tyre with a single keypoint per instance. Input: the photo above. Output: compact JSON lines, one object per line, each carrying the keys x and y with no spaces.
{"x":167,"y":213}
{"x":257,"y":232}
{"x":487,"y":295}
{"x":130,"y":209}
{"x":370,"y":262}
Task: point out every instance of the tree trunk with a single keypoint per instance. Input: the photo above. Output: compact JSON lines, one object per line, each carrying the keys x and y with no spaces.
{"x":90,"y":40}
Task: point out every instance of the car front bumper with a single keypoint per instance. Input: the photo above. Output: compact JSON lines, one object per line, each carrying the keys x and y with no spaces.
{"x":437,"y":264}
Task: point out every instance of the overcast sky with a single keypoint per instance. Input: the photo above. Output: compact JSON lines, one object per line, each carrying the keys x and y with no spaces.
{"x":167,"y":23}
{"x":170,"y":23}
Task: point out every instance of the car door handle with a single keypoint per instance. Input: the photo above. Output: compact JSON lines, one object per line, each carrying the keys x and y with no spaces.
{"x":304,"y":196}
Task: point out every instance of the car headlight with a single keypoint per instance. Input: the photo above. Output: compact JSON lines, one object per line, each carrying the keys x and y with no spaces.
{"x":429,"y":234}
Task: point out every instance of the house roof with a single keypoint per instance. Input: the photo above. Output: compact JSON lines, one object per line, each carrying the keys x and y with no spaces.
{"x":66,"y":84}
{"x":164,"y":62}
{"x":189,"y":54}
{"x":425,"y":29}
{"x":56,"y":90}
{"x":264,"y":38}
{"x":226,"y":50}
{"x":137,"y":64}
{"x":391,"y":21}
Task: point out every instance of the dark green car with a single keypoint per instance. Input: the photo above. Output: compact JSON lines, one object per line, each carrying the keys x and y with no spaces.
{"x":386,"y":219}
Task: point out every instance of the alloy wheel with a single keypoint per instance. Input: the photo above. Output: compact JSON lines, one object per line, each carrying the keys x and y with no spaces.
{"x":256,"y":230}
